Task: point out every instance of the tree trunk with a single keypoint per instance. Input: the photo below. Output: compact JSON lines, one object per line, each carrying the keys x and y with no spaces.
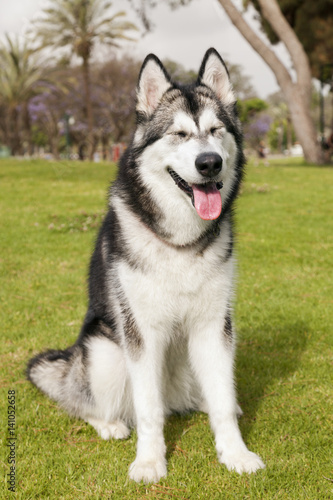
{"x":297,"y":94}
{"x":54,"y":145}
{"x":14,"y":134}
{"x":86,"y":80}
{"x":289,"y":133}
{"x":303,"y":123}
{"x":27,"y":127}
{"x":105,"y":143}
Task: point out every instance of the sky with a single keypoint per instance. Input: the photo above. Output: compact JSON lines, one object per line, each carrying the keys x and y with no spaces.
{"x":182,"y":35}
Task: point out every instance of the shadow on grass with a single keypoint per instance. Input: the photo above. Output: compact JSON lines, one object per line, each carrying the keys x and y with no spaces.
{"x":273,"y":354}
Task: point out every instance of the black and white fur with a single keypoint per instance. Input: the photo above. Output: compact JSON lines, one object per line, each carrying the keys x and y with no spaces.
{"x":158,"y":334}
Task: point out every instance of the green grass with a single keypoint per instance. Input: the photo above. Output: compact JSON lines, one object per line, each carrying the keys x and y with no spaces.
{"x":49,"y":215}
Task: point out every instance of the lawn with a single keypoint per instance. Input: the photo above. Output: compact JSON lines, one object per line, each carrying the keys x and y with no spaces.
{"x":49,"y":217}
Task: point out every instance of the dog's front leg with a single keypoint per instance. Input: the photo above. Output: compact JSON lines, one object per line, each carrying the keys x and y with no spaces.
{"x":145,"y":372}
{"x":211,"y":354}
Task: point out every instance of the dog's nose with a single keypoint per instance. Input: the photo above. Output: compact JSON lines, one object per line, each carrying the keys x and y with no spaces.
{"x":208,"y":164}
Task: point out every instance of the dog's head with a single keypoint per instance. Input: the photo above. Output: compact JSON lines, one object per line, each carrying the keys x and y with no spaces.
{"x":188,"y":141}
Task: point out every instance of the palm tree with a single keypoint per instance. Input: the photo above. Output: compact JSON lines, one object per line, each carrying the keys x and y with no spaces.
{"x":80,"y":25}
{"x":22,"y":76}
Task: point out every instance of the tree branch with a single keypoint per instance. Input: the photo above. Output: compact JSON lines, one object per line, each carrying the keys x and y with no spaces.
{"x":272,"y":13}
{"x":281,"y":73}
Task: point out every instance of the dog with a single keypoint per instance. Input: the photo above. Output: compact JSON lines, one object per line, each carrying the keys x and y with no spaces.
{"x":158,"y":336}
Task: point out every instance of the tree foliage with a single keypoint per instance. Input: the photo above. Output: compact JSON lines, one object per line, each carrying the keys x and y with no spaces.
{"x":22,"y":76}
{"x":256,"y":130}
{"x":79,"y":25}
{"x":250,"y":107}
{"x":312,"y":21}
{"x":112,"y":97}
{"x":297,"y":91}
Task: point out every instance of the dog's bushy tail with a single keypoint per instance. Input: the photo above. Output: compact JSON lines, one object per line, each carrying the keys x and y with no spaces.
{"x":47,"y":371}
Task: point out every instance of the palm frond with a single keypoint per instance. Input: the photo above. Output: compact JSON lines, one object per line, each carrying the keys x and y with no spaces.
{"x":22,"y":74}
{"x":79,"y":24}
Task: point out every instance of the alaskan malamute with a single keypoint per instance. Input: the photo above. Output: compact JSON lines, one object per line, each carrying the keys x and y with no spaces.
{"x":158,"y":335}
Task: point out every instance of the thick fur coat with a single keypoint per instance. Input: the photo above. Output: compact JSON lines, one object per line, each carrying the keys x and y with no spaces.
{"x":158,"y":336}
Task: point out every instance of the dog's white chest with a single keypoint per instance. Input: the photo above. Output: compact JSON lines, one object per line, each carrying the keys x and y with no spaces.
{"x":170,"y":284}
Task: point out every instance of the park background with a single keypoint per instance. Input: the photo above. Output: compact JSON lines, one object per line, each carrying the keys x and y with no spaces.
{"x":67,"y":79}
{"x":52,"y":205}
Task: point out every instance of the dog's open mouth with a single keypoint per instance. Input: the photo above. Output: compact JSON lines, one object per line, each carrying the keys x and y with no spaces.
{"x":206,"y":198}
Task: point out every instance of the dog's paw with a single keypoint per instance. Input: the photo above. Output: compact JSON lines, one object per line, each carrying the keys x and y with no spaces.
{"x":244,"y":461}
{"x":147,"y":471}
{"x":115,"y":430}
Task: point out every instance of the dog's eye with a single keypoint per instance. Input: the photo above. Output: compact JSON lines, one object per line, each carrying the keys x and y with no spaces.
{"x":214,"y":129}
{"x":181,"y":134}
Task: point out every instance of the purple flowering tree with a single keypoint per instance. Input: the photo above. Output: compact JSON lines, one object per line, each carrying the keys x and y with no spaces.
{"x":45,"y":115}
{"x":23,"y":75}
{"x":256,"y":130}
{"x":78,"y":26}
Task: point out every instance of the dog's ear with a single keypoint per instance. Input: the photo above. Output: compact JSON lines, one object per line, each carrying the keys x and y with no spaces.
{"x":213,"y":73}
{"x":153,"y":82}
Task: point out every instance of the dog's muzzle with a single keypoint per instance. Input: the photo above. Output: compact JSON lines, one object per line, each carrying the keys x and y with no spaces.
{"x":205,"y":197}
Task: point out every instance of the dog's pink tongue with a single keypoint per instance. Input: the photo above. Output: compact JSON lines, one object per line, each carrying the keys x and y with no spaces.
{"x":207,"y":201}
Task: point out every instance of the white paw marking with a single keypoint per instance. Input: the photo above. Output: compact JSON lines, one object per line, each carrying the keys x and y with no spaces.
{"x":147,"y":471}
{"x":116,"y":430}
{"x":244,"y":461}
